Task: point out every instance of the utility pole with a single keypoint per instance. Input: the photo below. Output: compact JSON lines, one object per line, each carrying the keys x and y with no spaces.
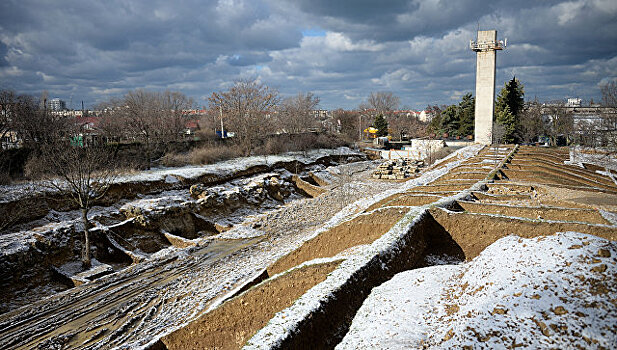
{"x":360,"y":125}
{"x":221,"y":114}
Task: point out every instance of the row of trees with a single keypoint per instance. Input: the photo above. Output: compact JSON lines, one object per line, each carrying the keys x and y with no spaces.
{"x":517,"y":121}
{"x":253,"y":111}
{"x":455,"y":120}
{"x":151,"y":118}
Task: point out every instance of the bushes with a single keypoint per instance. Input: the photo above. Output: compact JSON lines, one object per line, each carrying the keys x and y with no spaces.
{"x":299,"y":142}
{"x":12,"y":163}
{"x":213,"y":154}
{"x":274,"y":144}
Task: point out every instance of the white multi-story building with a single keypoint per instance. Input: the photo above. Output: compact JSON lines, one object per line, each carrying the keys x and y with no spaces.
{"x":56,"y":105}
{"x":574,"y":102}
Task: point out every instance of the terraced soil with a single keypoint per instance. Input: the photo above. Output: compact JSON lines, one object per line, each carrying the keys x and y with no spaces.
{"x":470,"y":207}
{"x":233,"y":323}
{"x":528,"y":202}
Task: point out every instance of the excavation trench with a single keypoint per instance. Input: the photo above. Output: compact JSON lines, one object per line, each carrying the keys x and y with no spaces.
{"x":177,"y":218}
{"x":364,"y":229}
{"x":230,"y":325}
{"x":474,"y":232}
{"x":23,"y":209}
{"x":233,"y":323}
{"x":439,"y":235}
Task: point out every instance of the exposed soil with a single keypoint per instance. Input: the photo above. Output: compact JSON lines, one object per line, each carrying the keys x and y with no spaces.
{"x":475,"y":232}
{"x":472,"y":175}
{"x":588,"y":199}
{"x":404,"y":199}
{"x":559,"y":178}
{"x":363,"y":229}
{"x":583,"y":174}
{"x":488,"y":198}
{"x":454,"y":235}
{"x":559,"y":214}
{"x":230,"y":325}
{"x":442,"y":188}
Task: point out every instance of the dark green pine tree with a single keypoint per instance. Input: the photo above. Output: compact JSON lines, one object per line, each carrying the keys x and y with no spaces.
{"x":511,"y":96}
{"x":509,"y":123}
{"x":466,"y":110}
{"x":450,"y":120}
{"x":381,"y":125}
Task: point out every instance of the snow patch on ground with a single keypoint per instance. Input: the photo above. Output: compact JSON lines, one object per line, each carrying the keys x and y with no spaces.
{"x":611,"y":217}
{"x":552,"y":291}
{"x":233,"y":165}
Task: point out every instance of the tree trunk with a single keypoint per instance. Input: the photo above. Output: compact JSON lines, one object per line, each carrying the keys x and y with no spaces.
{"x":148,"y":160}
{"x":86,"y":254}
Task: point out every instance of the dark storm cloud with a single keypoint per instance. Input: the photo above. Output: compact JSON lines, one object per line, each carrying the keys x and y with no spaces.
{"x":3,"y":51}
{"x":419,"y":49}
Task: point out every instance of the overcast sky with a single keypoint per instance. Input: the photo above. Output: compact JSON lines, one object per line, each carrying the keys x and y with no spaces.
{"x":340,"y":50}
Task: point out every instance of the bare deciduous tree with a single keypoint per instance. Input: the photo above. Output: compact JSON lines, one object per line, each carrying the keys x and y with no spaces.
{"x":609,"y":116}
{"x":408,"y":125}
{"x":347,"y":123}
{"x":8,"y":101}
{"x":560,"y":123}
{"x":83,"y":173}
{"x":150,"y":117}
{"x":382,"y":102}
{"x":248,"y":107}
{"x":34,"y":125}
{"x":531,"y":122}
{"x":294,"y":113}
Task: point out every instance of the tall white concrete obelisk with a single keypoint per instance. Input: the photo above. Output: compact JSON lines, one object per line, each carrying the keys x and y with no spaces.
{"x":485,"y":47}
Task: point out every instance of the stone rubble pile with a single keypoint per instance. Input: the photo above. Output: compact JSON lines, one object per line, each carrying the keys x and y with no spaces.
{"x":398,"y":169}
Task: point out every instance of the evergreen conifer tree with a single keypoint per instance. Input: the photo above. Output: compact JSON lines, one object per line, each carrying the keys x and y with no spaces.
{"x":508,"y":121}
{"x":466,"y":110}
{"x":450,"y":121}
{"x":381,"y":125}
{"x":508,"y":109}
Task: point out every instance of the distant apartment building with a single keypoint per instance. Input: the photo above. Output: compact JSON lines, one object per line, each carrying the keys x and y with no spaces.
{"x":574,"y":102}
{"x":56,"y":105}
{"x":320,"y":114}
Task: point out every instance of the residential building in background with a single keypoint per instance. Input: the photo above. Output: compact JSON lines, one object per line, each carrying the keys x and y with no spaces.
{"x":56,"y":105}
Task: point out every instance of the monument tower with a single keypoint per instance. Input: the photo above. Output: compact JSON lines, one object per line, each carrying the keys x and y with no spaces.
{"x":485,"y":46}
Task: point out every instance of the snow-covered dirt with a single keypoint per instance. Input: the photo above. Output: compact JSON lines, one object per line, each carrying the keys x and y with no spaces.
{"x":35,"y":256}
{"x":182,"y":281}
{"x":547,"y":292}
{"x":136,"y":305}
